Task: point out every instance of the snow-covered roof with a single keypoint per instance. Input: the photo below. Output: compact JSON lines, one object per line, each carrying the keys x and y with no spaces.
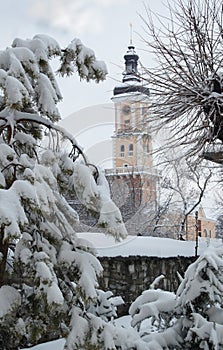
{"x":132,"y":87}
{"x":144,"y":246}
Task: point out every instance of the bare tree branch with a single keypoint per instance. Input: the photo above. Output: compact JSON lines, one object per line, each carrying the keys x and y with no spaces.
{"x":186,"y":84}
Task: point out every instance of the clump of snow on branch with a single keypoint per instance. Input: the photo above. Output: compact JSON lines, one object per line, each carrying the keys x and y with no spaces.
{"x":85,"y":62}
{"x":152,"y":303}
{"x":27,"y":79}
{"x":203,"y":276}
{"x":106,"y":305}
{"x":209,"y":332}
{"x":96,"y":196}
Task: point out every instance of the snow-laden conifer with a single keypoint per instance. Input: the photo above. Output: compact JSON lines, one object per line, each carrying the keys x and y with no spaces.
{"x":48,"y":278}
{"x":200,"y":301}
{"x":191,"y":318}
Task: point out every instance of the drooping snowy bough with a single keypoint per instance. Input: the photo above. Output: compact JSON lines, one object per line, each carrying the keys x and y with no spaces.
{"x":47,"y":277}
{"x":190,"y":319}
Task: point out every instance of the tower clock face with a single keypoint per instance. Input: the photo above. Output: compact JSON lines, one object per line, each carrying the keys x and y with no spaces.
{"x":126,"y":109}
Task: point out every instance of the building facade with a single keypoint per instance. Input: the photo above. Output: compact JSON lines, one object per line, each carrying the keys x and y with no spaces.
{"x":204,"y":227}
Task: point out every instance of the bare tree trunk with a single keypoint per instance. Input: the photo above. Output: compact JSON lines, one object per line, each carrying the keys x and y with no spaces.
{"x":3,"y":257}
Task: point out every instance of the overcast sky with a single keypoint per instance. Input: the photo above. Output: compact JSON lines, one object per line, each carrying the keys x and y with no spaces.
{"x":103,"y":25}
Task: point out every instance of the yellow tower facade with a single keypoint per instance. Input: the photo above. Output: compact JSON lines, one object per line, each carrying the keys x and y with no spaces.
{"x":132,"y":143}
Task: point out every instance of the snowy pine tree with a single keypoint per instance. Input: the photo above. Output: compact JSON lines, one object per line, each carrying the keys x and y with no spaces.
{"x":47,"y":276}
{"x":191,"y":319}
{"x":200,"y":300}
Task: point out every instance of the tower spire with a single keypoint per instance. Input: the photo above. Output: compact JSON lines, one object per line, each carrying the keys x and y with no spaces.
{"x":131,"y":77}
{"x":130,"y":24}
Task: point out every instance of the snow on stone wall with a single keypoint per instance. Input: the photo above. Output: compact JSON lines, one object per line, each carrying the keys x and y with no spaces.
{"x":130,"y":276}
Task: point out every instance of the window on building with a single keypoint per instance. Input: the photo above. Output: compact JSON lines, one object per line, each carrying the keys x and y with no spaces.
{"x":130,"y":150}
{"x":126,"y":124}
{"x":126,"y":109}
{"x":122,"y":151}
{"x":144,"y":119}
{"x":144,"y":111}
{"x":146,"y":148}
{"x":205,"y":232}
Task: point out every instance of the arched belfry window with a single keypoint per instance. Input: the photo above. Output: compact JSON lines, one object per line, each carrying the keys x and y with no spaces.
{"x":146,"y":148}
{"x":130,"y":150}
{"x":122,"y":151}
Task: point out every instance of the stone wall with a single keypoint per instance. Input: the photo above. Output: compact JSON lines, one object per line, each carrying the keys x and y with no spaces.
{"x":130,"y":276}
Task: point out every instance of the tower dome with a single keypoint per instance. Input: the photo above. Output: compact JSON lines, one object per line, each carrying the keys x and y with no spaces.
{"x":131,"y":66}
{"x":131,"y":82}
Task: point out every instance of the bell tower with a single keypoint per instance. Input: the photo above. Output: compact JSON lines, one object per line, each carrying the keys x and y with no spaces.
{"x":132,"y":142}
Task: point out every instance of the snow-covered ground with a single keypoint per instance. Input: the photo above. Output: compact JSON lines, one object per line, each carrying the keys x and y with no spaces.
{"x":134,"y":245}
{"x":53,"y":345}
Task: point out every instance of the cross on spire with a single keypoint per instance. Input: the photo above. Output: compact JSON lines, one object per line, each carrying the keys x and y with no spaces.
{"x":130,"y":24}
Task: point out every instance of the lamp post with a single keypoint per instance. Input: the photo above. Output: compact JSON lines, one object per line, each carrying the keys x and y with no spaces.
{"x":196,"y":232}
